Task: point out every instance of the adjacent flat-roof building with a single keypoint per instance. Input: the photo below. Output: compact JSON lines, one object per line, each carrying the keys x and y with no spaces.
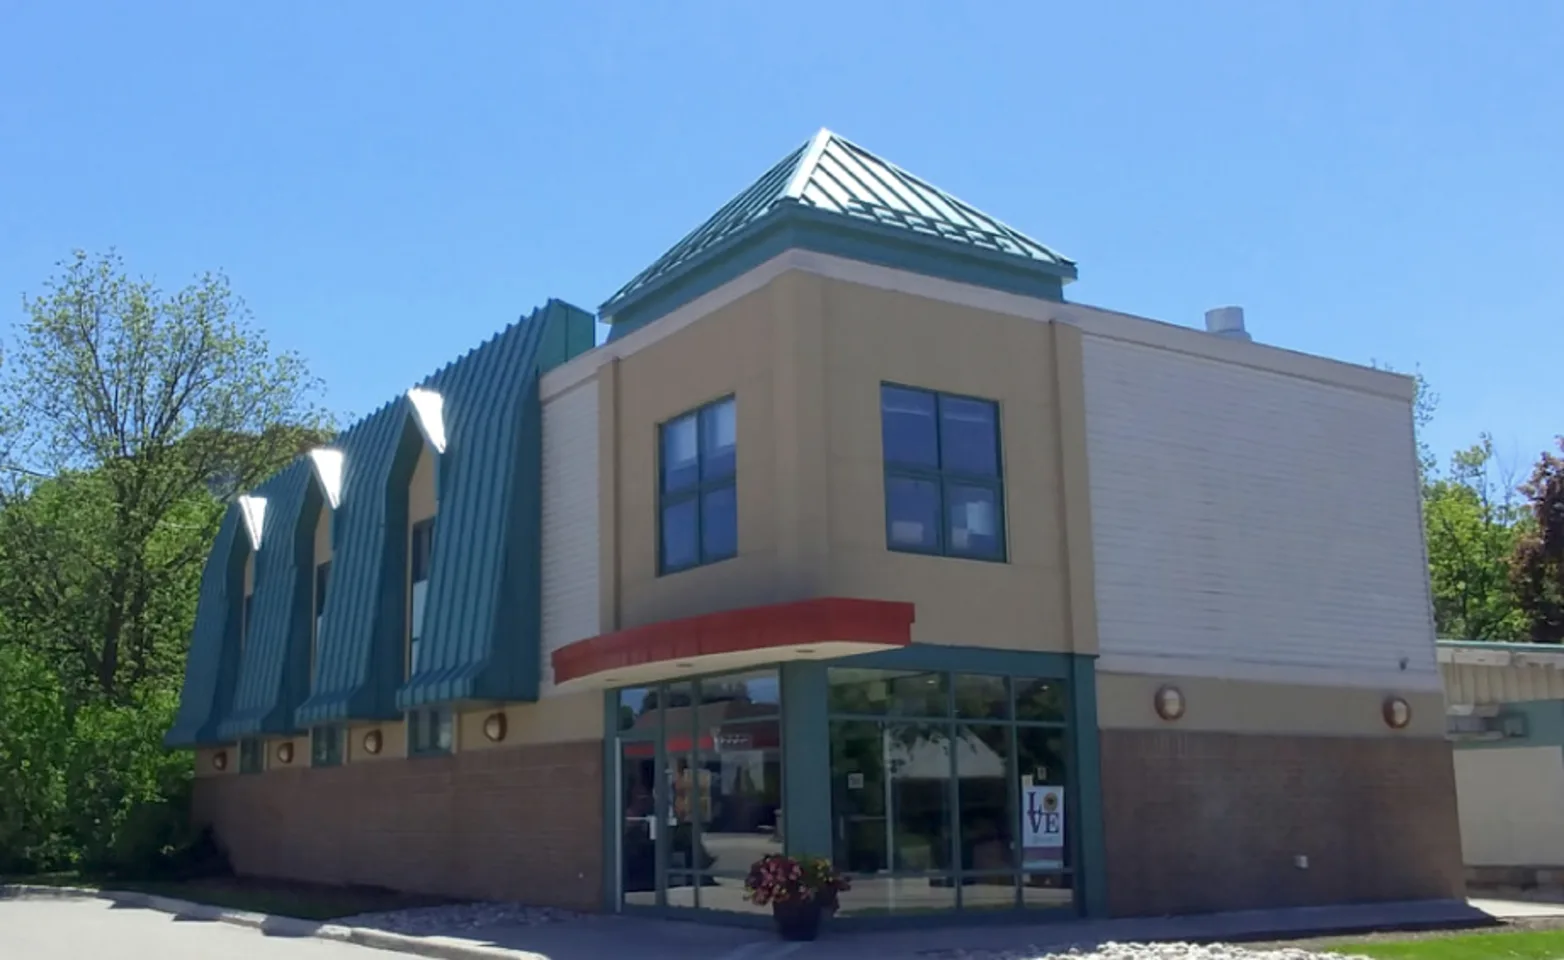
{"x":855,"y":538}
{"x":1506,"y":710}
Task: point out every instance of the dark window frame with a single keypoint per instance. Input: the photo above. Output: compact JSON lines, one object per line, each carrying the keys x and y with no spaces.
{"x":697,"y":492}
{"x":252,"y":755}
{"x":943,"y":479}
{"x":326,"y":745}
{"x":420,"y":562}
{"x":322,"y":584}
{"x":422,"y":732}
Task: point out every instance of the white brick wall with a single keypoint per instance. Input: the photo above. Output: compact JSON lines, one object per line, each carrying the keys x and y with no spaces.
{"x":570,"y":521}
{"x":1253,"y":525}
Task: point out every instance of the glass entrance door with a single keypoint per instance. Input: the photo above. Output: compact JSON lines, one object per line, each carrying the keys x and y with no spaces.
{"x":700,"y":789}
{"x":640,"y":833}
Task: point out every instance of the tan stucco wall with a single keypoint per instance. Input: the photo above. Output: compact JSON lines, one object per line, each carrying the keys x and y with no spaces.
{"x":301,"y":753}
{"x":729,"y":352}
{"x":420,"y":490}
{"x":421,"y":505}
{"x":323,"y":535}
{"x":804,"y":356}
{"x":205,"y":755}
{"x":561,"y":719}
{"x":393,"y":742}
{"x":873,"y":336}
{"x":1128,"y":702}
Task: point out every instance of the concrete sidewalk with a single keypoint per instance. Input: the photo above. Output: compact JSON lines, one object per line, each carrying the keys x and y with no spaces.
{"x":600,"y":937}
{"x":593,"y":938}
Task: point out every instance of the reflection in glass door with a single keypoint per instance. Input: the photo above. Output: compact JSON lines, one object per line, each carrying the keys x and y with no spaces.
{"x":700,"y":779}
{"x":640,"y":830}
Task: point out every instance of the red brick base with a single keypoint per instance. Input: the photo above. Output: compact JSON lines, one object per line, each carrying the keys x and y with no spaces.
{"x":522,"y":823}
{"x":1197,"y":823}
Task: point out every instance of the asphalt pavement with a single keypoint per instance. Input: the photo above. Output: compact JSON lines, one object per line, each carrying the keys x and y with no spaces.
{"x":100,"y":930}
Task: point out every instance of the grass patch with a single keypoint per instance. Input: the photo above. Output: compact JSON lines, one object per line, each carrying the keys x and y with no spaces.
{"x":1513,"y":945}
{"x":302,"y":901}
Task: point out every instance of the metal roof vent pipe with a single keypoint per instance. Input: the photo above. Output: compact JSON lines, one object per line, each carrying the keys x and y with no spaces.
{"x":1227,"y":322}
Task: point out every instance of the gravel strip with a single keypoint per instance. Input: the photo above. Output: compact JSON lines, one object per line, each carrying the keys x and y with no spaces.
{"x":455,"y":919}
{"x":1141,"y":951}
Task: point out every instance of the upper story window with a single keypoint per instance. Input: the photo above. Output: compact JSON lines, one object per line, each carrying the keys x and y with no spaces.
{"x":249,"y":598}
{"x":698,"y":508}
{"x":944,"y":483}
{"x":322,"y":578}
{"x":420,"y":549}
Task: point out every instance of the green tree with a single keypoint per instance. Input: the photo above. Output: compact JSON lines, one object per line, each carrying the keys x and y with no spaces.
{"x":1471,"y":518}
{"x":121,"y":409}
{"x":34,"y":745}
{"x":127,"y":417}
{"x":1424,"y":403}
{"x":1538,"y":567}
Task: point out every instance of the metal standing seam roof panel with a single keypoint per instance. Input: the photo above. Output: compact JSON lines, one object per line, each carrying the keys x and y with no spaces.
{"x":274,"y":667}
{"x":481,"y":632}
{"x":489,"y":486}
{"x":834,"y":176}
{"x":213,"y":660}
{"x":358,"y":659}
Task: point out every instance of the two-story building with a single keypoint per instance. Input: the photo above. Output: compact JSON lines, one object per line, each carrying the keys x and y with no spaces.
{"x":854,"y":538}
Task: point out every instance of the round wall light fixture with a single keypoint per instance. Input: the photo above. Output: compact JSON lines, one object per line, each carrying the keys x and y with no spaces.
{"x":220,"y":760}
{"x":1169,"y":702}
{"x":494,"y":726}
{"x":285,"y":752}
{"x":373,"y":742}
{"x":1397,"y":713}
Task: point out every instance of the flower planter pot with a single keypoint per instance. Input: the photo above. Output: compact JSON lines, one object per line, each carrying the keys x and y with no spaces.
{"x":797,"y":919}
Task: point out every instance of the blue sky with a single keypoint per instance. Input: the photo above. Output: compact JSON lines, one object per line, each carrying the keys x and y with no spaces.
{"x":389,"y":183}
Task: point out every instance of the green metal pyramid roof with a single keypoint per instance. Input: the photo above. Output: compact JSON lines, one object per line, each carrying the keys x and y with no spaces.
{"x":832,"y":176}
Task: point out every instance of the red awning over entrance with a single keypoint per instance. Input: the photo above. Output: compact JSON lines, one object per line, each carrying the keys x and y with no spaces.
{"x":823,"y":628}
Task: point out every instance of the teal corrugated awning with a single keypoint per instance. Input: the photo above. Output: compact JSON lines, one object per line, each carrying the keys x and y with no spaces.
{"x":359,"y":659}
{"x":482,"y":626}
{"x":274,"y":667}
{"x":213,"y":659}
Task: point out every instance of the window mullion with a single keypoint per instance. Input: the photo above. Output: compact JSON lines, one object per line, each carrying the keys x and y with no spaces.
{"x":700,"y":511}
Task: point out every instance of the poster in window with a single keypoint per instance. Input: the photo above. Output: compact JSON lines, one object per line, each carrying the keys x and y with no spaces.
{"x":1042,"y":827}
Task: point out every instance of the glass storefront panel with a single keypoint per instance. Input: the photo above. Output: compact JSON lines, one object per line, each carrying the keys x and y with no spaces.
{"x":988,"y":892}
{"x":947,"y":791}
{"x":760,"y":692}
{"x":633,"y":707}
{"x":683,"y":890}
{"x":701,"y":762}
{"x":742,"y":807}
{"x":1043,"y":701}
{"x":1043,"y":890}
{"x":895,"y":692}
{"x":981,"y":697}
{"x":919,"y":779}
{"x":965,"y":809}
{"x":878,"y":896}
{"x":859,"y":794}
{"x":987,"y":815}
